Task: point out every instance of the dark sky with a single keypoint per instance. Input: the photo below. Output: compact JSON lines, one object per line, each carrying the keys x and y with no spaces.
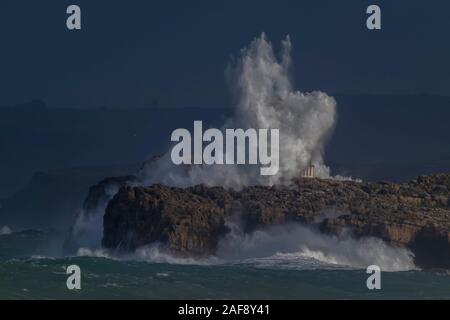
{"x":130,"y":53}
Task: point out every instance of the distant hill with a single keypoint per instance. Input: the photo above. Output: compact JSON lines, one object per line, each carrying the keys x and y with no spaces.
{"x":52,"y":200}
{"x":34,"y":138}
{"x":390,"y":137}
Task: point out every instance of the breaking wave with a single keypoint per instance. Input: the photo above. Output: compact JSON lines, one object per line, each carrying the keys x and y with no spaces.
{"x":265,"y":99}
{"x":289,"y":245}
{"x":283,"y":247}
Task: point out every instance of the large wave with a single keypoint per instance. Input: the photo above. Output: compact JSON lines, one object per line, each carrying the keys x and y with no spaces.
{"x":298,"y":246}
{"x":265,"y":99}
{"x":290,"y":246}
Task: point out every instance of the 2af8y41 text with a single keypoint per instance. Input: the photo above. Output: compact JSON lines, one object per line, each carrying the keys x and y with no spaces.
{"x":225,"y":310}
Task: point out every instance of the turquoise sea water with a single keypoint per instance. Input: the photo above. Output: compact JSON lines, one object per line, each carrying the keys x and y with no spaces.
{"x":26,"y":274}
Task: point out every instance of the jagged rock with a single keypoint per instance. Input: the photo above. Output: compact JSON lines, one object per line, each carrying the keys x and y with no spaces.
{"x":103,"y":191}
{"x":184,"y":219}
{"x":190,"y":221}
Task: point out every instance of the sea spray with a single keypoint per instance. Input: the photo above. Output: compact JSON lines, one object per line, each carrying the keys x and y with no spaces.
{"x":87,"y":230}
{"x":297,"y":246}
{"x":264,"y":98}
{"x":290,"y":246}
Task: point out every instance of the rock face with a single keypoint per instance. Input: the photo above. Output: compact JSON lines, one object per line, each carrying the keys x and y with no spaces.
{"x":190,"y":221}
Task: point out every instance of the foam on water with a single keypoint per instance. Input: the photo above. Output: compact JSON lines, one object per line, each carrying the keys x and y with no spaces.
{"x":282,"y":247}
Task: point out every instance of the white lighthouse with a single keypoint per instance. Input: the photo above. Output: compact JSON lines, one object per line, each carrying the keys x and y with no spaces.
{"x":308,"y":172}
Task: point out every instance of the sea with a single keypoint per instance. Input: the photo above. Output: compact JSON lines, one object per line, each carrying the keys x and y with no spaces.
{"x":33,"y":267}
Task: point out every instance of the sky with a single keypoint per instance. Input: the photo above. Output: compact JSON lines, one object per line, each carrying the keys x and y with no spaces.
{"x":174,"y":53}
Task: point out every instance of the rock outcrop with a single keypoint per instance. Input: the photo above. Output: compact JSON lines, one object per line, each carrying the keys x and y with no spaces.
{"x":190,"y":221}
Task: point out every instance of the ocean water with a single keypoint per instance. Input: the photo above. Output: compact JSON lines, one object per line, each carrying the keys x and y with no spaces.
{"x":30,"y":268}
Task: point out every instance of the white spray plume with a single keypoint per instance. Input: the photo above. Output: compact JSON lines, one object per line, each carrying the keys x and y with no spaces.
{"x":265,"y":99}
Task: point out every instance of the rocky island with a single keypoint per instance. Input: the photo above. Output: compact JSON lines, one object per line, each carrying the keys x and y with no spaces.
{"x":191,"y":221}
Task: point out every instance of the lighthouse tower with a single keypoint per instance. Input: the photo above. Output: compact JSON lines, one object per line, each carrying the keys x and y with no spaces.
{"x":308,"y":172}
